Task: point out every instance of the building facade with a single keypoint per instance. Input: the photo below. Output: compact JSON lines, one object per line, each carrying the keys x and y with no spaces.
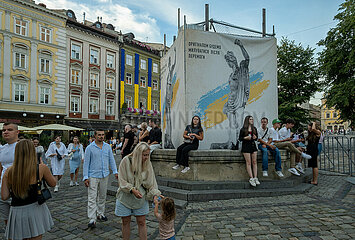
{"x":32,"y":63}
{"x":93,"y":74}
{"x":330,"y":119}
{"x":139,"y":82}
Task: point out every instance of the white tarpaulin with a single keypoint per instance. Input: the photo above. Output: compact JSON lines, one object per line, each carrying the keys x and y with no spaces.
{"x":222,"y":79}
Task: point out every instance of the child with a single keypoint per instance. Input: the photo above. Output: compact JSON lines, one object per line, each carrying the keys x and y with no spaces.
{"x":166,"y":219}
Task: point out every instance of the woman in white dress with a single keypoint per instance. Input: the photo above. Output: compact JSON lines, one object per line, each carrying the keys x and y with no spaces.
{"x":76,"y":156}
{"x":56,"y":153}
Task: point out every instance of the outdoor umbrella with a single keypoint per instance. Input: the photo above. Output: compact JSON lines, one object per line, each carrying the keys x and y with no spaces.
{"x":58,"y":127}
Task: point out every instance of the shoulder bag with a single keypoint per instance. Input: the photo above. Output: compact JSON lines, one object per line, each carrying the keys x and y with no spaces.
{"x":188,"y":140}
{"x":42,"y":194}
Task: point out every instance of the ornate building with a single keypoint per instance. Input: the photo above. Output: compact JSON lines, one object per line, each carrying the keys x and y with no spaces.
{"x":93,"y":74}
{"x":139,"y":81}
{"x":32,"y":63}
{"x":330,"y":119}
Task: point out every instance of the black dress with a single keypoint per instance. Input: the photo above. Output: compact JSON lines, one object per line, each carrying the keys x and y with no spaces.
{"x":248,"y":146}
{"x":146,"y":138}
{"x":312,"y":149}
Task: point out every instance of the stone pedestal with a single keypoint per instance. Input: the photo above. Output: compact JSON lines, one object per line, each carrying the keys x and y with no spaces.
{"x":214,"y":165}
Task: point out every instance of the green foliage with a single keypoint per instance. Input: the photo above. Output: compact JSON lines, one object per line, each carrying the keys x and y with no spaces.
{"x":297,"y":76}
{"x":45,"y":140}
{"x":124,"y":107}
{"x":83,"y":139}
{"x":337,"y":62}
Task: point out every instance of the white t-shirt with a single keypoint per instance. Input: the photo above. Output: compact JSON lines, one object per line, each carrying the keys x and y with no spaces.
{"x":261,"y":133}
{"x":274,"y":134}
{"x":284,"y":133}
{"x":7,"y":157}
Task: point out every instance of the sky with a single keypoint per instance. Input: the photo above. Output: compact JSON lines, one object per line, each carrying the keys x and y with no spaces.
{"x":305,"y":21}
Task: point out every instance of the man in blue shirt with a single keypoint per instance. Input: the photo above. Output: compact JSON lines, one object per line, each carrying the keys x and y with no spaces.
{"x":97,"y":163}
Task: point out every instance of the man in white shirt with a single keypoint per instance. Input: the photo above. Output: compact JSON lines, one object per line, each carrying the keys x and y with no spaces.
{"x":7,"y":155}
{"x":265,"y":144}
{"x":284,"y":142}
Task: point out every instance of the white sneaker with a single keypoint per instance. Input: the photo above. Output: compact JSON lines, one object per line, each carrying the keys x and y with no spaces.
{"x":185,"y":169}
{"x":299,"y":168}
{"x":279,"y":173}
{"x":252,"y":182}
{"x":265,"y":174}
{"x":256,"y":181}
{"x":306,"y":156}
{"x":294,"y":171}
{"x":56,"y":188}
{"x":176,"y":167}
{"x":71,"y":183}
{"x":76,"y":184}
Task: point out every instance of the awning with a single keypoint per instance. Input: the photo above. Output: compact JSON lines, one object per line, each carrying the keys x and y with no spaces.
{"x":95,"y":125}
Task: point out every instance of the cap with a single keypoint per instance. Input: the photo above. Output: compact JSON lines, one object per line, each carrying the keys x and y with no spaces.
{"x":276,"y":120}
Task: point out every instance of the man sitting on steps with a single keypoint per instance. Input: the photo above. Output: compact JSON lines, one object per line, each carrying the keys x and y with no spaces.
{"x":285,"y":143}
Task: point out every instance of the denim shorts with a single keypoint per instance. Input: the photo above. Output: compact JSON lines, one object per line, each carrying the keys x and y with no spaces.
{"x":123,"y":211}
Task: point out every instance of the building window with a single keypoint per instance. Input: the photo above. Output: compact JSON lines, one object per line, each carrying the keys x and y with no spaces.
{"x":335,"y":115}
{"x":155,"y":67}
{"x":75,"y":76}
{"x":20,"y":60}
{"x":45,"y":65}
{"x":94,"y":56}
{"x":75,"y":51}
{"x":142,"y":82}
{"x":129,"y":78}
{"x":142,"y":103}
{"x":19,"y":92}
{"x":44,"y":95}
{"x":45,"y":34}
{"x":94,"y":80}
{"x":155,"y":106}
{"x":155,"y":84}
{"x":327,"y":115}
{"x":93,"y":105}
{"x":74,"y":104}
{"x":21,"y":27}
{"x":143,"y":64}
{"x":110,"y":61}
{"x":129,"y":101}
{"x":129,"y":60}
{"x":110,"y":83}
{"x":109,"y":107}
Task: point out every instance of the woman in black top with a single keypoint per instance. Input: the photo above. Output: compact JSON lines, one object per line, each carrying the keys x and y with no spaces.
{"x":192,"y":135}
{"x":248,"y":135}
{"x":27,"y":219}
{"x":314,"y":133}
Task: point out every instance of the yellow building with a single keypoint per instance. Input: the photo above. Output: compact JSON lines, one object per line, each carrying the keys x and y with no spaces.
{"x":32,"y":63}
{"x":330,"y":119}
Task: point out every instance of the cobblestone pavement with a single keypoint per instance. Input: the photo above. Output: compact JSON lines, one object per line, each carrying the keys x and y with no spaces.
{"x":326,"y":212}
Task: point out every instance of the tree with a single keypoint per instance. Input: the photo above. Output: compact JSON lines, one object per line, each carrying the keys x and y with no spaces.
{"x":337,"y":63}
{"x":297,"y":75}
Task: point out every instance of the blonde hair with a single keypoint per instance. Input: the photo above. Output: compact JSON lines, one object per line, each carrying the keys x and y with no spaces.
{"x":138,"y":165}
{"x":168,"y":208}
{"x":23,"y":169}
{"x":144,"y":125}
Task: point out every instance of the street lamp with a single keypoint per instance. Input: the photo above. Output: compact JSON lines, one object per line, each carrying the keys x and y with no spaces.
{"x":42,"y":116}
{"x":24,"y":114}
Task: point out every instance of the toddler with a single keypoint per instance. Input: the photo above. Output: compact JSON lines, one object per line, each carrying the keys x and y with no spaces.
{"x":166,"y":218}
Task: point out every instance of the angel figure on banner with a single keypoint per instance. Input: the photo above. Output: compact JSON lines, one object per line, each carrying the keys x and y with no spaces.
{"x":168,"y":144}
{"x":239,"y":94}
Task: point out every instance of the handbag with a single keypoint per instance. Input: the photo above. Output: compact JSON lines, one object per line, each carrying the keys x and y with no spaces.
{"x":42,"y":194}
{"x":188,"y":140}
{"x":59,"y":157}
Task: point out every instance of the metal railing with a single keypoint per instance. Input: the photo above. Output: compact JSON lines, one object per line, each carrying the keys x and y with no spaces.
{"x":338,"y":154}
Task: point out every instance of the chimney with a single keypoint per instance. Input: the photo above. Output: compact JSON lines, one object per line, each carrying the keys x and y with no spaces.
{"x":42,"y":5}
{"x":84,"y":17}
{"x":101,"y":19}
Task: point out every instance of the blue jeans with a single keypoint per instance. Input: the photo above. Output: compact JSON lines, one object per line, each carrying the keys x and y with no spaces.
{"x":172,"y":238}
{"x":275,"y":152}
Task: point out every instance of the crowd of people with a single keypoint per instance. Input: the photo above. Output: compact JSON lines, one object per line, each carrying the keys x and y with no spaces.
{"x":24,"y":165}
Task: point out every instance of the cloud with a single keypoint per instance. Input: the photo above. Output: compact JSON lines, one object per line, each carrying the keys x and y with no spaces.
{"x":143,"y":25}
